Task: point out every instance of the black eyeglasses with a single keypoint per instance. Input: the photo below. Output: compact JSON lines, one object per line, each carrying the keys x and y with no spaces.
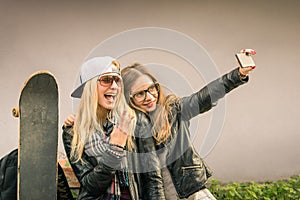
{"x":108,"y":80}
{"x":141,"y":95}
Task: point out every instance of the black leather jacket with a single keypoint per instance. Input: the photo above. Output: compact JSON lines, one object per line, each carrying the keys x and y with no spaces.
{"x":96,"y":178}
{"x":188,"y":171}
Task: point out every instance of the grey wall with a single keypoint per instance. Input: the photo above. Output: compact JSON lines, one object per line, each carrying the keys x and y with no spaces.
{"x":260,"y":134}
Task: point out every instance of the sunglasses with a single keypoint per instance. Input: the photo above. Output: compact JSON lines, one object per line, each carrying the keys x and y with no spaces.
{"x":140,"y":96}
{"x":108,"y":80}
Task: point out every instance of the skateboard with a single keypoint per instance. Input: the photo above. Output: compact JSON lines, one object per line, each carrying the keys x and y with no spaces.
{"x":38,"y":137}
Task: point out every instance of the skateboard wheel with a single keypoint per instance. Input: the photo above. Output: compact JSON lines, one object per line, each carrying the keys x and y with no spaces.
{"x":15,"y":112}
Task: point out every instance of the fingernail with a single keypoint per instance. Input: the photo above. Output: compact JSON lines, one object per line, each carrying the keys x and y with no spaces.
{"x":253,"y":67}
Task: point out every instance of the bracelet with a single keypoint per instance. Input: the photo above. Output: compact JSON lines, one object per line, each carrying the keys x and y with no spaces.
{"x":116,"y":145}
{"x":116,"y":153}
{"x":242,"y":76}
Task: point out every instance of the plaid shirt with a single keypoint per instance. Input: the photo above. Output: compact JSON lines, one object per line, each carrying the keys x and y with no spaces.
{"x":98,"y":147}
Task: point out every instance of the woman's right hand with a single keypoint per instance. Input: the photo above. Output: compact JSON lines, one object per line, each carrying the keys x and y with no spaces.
{"x":120,"y":133}
{"x":69,"y":121}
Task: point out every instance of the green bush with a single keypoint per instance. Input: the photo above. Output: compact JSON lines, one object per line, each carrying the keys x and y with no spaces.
{"x":288,"y":189}
{"x":271,"y":190}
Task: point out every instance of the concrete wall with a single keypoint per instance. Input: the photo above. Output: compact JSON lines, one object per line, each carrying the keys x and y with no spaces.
{"x":260,"y":131}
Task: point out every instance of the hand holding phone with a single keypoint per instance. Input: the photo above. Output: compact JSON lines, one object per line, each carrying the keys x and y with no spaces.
{"x":245,"y":59}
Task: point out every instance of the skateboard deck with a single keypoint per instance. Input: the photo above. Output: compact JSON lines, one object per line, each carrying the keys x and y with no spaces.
{"x":38,"y":137}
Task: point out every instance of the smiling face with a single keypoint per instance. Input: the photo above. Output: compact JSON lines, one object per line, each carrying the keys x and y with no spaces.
{"x":108,"y":87}
{"x":144,"y":87}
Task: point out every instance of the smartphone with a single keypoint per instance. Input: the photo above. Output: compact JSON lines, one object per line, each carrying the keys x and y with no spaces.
{"x":245,"y":60}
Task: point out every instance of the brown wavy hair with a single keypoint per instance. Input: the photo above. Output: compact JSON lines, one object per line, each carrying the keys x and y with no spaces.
{"x":161,"y":129}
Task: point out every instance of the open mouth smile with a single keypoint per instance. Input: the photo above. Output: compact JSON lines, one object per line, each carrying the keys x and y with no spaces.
{"x":110,"y":97}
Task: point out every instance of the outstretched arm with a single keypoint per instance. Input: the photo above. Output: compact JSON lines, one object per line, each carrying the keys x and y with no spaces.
{"x":208,"y":96}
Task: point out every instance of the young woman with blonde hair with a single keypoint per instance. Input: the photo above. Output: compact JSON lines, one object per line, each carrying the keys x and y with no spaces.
{"x":103,"y":127}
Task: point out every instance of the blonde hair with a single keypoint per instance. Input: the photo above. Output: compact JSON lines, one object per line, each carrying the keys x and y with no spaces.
{"x":161,"y":129}
{"x":91,"y":116}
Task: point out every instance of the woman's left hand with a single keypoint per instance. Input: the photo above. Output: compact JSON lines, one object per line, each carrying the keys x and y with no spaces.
{"x":244,"y":71}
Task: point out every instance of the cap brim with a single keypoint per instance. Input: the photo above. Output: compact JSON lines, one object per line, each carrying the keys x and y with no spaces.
{"x":78,"y":91}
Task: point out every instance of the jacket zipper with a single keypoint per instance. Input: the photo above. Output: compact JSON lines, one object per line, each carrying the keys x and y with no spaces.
{"x":191,"y":167}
